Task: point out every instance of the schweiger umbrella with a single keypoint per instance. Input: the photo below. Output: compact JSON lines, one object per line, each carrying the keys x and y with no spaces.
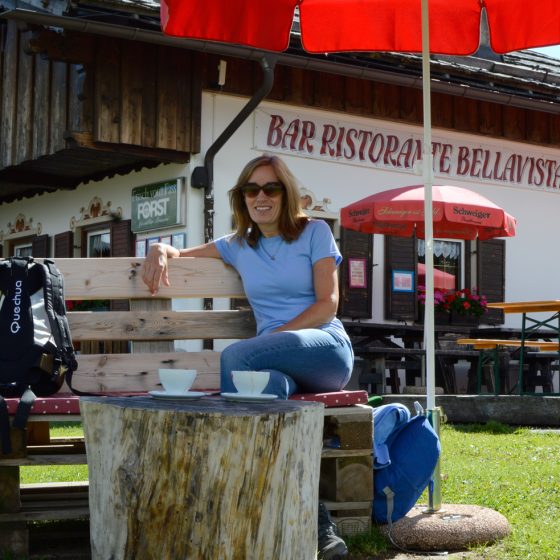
{"x":447,"y":27}
{"x":458,"y":213}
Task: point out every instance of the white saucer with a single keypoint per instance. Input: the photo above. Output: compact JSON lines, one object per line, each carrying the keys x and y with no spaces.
{"x":188,"y":395}
{"x":249,"y":397}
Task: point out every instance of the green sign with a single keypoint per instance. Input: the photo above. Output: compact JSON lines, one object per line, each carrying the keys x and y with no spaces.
{"x":156,"y":206}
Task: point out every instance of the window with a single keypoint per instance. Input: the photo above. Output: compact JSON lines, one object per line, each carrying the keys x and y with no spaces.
{"x":99,"y":244}
{"x":447,"y":264}
{"x":23,"y":250}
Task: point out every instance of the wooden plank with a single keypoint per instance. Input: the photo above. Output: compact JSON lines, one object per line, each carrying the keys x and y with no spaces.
{"x":166,"y":102}
{"x":107,"y":91}
{"x":183,"y":75}
{"x":120,"y":279}
{"x":41,"y":103}
{"x":59,"y":96}
{"x":138,"y":372}
{"x":131,"y":92}
{"x":24,"y":107}
{"x":37,"y":513}
{"x":333,"y":453}
{"x":9,"y":92}
{"x":160,"y":325}
{"x":149,"y":96}
{"x":526,"y":306}
{"x":53,"y":459}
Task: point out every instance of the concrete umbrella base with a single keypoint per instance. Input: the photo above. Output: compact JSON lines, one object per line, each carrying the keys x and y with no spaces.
{"x":453,"y":527}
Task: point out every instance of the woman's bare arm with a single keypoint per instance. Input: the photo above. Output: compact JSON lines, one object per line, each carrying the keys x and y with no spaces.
{"x":155,"y":270}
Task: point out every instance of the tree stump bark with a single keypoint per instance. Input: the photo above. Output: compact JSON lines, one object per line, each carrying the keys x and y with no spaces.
{"x":202,"y":479}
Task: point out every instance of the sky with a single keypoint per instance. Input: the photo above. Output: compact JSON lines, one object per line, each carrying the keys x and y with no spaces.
{"x":550,"y":51}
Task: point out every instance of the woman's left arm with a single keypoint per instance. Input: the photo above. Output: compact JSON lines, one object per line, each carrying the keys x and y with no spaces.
{"x":325,"y":282}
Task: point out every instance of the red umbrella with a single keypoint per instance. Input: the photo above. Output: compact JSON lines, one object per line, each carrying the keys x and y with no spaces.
{"x":457,"y":213}
{"x":366,"y":25}
{"x":442,"y":280}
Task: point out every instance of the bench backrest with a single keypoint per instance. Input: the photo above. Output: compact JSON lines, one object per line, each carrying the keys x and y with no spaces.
{"x":150,"y":319}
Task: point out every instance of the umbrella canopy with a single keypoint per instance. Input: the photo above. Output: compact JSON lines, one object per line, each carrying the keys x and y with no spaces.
{"x":458,"y":213}
{"x":366,"y":25}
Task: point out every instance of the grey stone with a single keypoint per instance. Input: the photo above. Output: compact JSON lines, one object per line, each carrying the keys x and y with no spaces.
{"x":454,"y":527}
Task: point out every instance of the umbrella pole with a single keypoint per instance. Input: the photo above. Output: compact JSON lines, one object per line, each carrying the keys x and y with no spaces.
{"x":434,"y":490}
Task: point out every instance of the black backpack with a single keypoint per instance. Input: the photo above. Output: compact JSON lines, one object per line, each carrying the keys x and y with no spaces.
{"x":36,"y":351}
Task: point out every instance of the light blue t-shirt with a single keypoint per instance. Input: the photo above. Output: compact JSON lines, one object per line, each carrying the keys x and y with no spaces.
{"x":278,"y":276}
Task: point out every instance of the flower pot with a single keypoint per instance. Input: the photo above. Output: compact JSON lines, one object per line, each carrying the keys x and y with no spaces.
{"x":466,"y":320}
{"x":440,"y":317}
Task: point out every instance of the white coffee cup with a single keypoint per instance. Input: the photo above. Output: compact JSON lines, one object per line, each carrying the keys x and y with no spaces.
{"x":250,"y":382}
{"x":176,"y":381}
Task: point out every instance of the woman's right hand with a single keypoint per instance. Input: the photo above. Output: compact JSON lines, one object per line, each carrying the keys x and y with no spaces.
{"x":154,"y":269}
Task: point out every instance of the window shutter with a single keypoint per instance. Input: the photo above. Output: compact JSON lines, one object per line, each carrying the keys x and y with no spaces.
{"x":400,"y":254}
{"x":121,"y":246}
{"x":121,"y":239}
{"x":63,"y":245}
{"x":41,"y":246}
{"x":491,"y":266}
{"x":355,"y":302}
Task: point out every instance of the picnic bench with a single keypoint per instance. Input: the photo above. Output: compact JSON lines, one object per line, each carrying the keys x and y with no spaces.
{"x":539,"y":355}
{"x":147,"y":336}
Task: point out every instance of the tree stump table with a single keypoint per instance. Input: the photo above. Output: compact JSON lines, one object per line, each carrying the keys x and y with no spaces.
{"x":202,"y":479}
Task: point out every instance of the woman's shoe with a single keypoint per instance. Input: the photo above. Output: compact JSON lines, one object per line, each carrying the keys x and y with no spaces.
{"x":331,"y":546}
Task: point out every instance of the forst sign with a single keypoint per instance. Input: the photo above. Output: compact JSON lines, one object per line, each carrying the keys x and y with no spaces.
{"x":156,"y":206}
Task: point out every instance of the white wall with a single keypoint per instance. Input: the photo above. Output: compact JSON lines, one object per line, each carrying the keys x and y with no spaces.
{"x":533,"y":266}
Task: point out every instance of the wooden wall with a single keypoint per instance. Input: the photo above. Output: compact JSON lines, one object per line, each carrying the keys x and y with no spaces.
{"x":387,"y":101}
{"x":62,"y":90}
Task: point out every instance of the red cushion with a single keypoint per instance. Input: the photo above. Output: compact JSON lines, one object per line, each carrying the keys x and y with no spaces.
{"x":70,"y":404}
{"x":59,"y":404}
{"x":338,"y":398}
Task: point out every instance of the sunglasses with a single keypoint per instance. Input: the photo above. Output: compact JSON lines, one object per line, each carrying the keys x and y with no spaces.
{"x":272,"y":189}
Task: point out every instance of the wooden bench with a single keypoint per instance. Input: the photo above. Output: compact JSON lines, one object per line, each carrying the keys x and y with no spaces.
{"x":151,"y":328}
{"x":538,"y":354}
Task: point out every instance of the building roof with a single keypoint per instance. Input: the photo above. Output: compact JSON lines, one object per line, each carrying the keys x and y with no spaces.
{"x":526,"y":73}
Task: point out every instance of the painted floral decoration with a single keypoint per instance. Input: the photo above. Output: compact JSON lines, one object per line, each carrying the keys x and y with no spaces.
{"x":462,"y":302}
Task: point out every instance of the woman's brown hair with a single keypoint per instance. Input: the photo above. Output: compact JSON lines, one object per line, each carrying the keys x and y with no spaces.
{"x":292,"y":219}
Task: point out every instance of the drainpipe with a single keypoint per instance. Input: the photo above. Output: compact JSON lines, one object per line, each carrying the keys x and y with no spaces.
{"x":203,"y":177}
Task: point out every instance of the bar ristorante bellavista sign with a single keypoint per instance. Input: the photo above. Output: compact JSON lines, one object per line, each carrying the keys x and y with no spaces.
{"x":377,"y":144}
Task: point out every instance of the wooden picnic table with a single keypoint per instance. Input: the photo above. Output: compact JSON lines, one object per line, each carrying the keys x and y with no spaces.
{"x":531,"y":325}
{"x":202,"y":478}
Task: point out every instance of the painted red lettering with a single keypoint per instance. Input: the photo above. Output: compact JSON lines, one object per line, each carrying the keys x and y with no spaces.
{"x":476,"y":162}
{"x":463,"y":161}
{"x":350,"y":152}
{"x":339,"y":140}
{"x":307,"y":134}
{"x":292,"y":133}
{"x":364,"y":136}
{"x":377,"y":142}
{"x":445,"y":159}
{"x":392,"y":147}
{"x":274,"y":136}
{"x":329,"y":135}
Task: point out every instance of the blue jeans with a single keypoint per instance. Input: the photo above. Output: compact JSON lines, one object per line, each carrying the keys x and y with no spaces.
{"x":304,"y":361}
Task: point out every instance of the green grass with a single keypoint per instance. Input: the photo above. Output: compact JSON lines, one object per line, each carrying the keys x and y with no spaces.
{"x":514,"y":471}
{"x":58,"y":473}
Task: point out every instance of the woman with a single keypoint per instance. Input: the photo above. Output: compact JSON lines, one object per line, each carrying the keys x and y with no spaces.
{"x":287,"y":263}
